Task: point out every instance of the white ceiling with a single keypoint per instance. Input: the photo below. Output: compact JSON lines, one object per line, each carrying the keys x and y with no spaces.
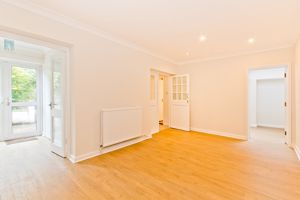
{"x":171,"y":28}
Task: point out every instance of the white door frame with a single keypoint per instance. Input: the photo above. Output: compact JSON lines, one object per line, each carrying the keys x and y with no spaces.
{"x":69,"y":127}
{"x":288,"y":119}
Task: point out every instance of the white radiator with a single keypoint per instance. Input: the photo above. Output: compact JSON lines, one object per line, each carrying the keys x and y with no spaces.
{"x":120,"y":124}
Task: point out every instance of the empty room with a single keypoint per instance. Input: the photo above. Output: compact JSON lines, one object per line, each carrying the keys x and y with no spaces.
{"x":160,"y":99}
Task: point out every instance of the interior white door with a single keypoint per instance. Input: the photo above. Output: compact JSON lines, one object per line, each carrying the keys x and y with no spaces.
{"x":4,"y":101}
{"x":166,"y":100}
{"x":161,"y":98}
{"x":153,"y":108}
{"x":288,"y":139}
{"x":180,"y":102}
{"x":57,"y":107}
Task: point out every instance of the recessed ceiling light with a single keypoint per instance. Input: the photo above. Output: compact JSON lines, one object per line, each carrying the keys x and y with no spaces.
{"x":202,"y":38}
{"x":187,"y":53}
{"x":251,"y":40}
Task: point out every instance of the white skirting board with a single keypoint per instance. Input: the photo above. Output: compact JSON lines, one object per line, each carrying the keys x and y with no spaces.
{"x":297,"y":151}
{"x":124,"y":144}
{"x":76,"y":159}
{"x":270,"y":126}
{"x":219,"y":133}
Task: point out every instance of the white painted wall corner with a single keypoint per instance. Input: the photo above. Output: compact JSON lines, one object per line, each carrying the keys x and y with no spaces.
{"x":297,"y":151}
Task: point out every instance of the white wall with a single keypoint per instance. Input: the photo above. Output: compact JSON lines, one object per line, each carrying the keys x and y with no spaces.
{"x":270,"y":103}
{"x":104,"y":74}
{"x":219,"y":90}
{"x":256,"y":113}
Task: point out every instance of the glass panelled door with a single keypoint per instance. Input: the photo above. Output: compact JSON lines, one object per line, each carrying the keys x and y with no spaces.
{"x":180,"y":105}
{"x":21,"y":104}
{"x":58,"y":136}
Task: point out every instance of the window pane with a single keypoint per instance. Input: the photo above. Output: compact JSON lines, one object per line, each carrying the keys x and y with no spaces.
{"x":174,"y":96}
{"x":24,"y":119}
{"x":179,"y":80}
{"x":184,"y":81}
{"x":24,"y":82}
{"x":57,"y":89}
{"x":174,"y":80}
{"x":184,"y":96}
{"x":184,"y":88}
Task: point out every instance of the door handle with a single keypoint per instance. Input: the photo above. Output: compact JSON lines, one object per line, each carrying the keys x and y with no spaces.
{"x":52,"y":105}
{"x":7,"y":102}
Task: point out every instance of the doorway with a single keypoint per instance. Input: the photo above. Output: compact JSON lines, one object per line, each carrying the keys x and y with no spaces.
{"x":33,"y":79}
{"x":169,"y":101}
{"x":159,"y":101}
{"x":163,"y":102}
{"x":21,"y":91}
{"x":268,"y":105}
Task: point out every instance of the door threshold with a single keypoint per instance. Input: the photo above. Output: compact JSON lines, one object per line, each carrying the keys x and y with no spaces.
{"x":20,"y":140}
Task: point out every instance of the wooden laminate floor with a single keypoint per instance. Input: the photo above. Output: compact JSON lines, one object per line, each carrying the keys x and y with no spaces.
{"x":172,"y":165}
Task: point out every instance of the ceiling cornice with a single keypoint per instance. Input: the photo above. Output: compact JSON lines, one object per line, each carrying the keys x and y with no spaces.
{"x":233,"y":55}
{"x":48,"y":13}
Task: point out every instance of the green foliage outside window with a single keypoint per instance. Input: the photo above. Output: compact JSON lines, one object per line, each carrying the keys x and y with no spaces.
{"x":23,"y":84}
